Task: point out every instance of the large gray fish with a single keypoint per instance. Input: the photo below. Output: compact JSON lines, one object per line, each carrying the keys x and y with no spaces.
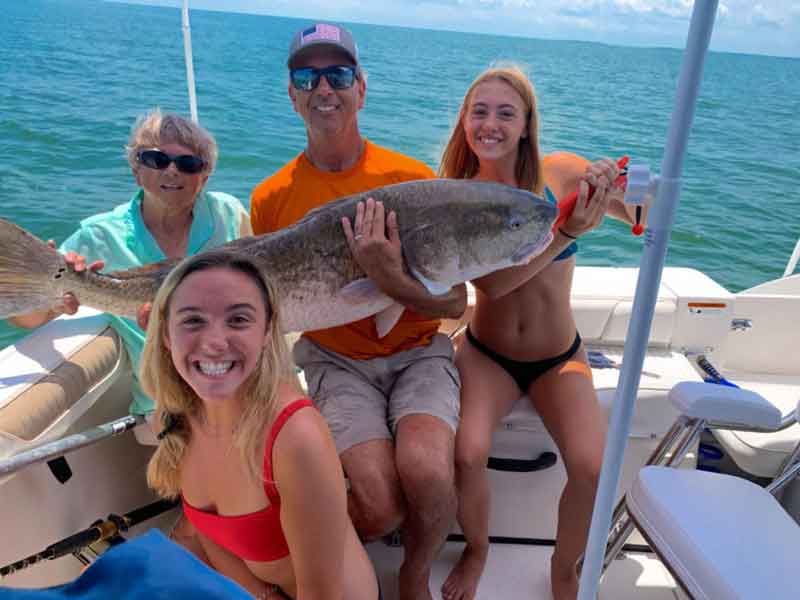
{"x":451,"y":231}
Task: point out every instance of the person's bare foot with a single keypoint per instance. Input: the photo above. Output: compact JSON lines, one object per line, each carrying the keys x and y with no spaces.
{"x":462,"y":582}
{"x":564,"y":581}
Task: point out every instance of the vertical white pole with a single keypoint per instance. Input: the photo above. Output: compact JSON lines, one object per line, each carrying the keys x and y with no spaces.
{"x":187,"y":50}
{"x":792,"y":264}
{"x":659,"y":227}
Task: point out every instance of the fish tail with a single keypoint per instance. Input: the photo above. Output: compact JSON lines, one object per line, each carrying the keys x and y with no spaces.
{"x":29,"y":272}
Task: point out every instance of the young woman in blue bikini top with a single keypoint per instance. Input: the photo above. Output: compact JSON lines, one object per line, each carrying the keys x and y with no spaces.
{"x":522,"y":338}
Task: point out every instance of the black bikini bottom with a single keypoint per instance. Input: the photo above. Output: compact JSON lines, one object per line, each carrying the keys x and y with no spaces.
{"x":525,"y":373}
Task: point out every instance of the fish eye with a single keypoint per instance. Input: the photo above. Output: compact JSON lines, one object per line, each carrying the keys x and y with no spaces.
{"x":516,"y":222}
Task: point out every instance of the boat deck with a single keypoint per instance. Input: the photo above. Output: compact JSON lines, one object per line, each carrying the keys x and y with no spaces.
{"x":521,"y":571}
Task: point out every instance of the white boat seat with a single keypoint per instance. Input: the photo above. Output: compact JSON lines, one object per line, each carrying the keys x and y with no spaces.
{"x":661,"y":371}
{"x":48,"y":380}
{"x":762,"y":454}
{"x":723,"y":404}
{"x":723,"y":537}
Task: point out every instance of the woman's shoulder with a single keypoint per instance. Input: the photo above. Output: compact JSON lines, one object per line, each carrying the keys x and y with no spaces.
{"x":226,"y":214}
{"x":293,"y":408}
{"x":102,"y":230}
{"x":225,"y":202}
{"x":113,"y":218}
{"x":304,"y":454}
{"x":298,"y":428}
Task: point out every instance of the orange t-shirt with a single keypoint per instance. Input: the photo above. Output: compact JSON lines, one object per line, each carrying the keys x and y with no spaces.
{"x":299,"y":187}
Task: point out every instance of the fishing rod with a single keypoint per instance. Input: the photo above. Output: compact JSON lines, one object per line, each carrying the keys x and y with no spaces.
{"x":107,"y":530}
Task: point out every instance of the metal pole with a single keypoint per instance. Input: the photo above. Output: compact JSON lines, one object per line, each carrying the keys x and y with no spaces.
{"x":779,"y":482}
{"x":187,"y":50}
{"x":792,"y":264}
{"x":659,"y":227}
{"x":67,"y":444}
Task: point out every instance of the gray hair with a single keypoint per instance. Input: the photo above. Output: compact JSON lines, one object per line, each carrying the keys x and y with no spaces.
{"x":157,"y":128}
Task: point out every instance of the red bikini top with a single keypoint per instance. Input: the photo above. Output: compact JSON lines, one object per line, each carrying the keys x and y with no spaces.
{"x":256,"y":536}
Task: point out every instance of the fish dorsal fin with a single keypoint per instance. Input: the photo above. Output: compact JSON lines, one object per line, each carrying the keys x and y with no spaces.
{"x":346,"y":205}
{"x":388,"y":318}
{"x":327,"y":207}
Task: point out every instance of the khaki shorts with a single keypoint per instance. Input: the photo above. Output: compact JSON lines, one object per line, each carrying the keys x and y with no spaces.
{"x":364,"y":400}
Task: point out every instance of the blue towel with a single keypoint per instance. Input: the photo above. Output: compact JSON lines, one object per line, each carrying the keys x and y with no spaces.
{"x":147,"y":567}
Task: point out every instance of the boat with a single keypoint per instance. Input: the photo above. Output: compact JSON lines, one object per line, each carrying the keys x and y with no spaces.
{"x":69,"y":452}
{"x":72,"y":376}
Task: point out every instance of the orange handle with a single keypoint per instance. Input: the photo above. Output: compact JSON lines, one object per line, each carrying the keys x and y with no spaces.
{"x":567,"y":205}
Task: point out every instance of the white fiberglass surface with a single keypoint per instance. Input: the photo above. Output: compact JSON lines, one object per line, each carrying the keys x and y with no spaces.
{"x":516,"y":571}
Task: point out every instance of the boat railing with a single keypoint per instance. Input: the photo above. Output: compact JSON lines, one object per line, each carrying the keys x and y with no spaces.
{"x":793,"y":260}
{"x":57,"y":448}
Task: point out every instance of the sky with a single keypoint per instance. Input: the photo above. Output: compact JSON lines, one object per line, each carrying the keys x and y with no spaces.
{"x":755,"y":27}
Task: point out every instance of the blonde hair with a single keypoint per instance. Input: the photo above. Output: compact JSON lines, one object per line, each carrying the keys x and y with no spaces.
{"x":157,"y":128}
{"x":460,"y":162}
{"x":176,"y":401}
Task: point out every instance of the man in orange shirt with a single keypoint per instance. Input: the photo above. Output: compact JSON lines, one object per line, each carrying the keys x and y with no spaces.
{"x":392,"y":403}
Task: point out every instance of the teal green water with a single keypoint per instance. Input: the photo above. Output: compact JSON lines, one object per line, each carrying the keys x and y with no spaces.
{"x":75,"y":74}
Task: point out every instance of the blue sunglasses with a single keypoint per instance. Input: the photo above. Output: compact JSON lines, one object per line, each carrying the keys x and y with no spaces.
{"x":339,"y":77}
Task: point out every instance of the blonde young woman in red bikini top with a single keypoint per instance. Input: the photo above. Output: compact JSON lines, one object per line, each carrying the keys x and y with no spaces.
{"x":252,"y":460}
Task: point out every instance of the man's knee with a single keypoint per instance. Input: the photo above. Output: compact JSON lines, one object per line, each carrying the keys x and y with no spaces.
{"x":425,"y":461}
{"x":376,"y":509}
{"x":376,"y":502}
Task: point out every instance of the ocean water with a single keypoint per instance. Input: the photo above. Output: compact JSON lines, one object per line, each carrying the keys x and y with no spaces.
{"x":75,"y":74}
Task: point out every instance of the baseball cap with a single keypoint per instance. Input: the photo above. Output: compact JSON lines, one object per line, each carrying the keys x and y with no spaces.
{"x":322,"y":34}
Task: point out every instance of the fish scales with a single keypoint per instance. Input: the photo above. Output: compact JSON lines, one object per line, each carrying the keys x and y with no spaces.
{"x":450,"y":230}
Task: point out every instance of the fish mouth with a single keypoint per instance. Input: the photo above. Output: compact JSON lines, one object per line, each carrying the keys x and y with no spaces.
{"x":528,"y":252}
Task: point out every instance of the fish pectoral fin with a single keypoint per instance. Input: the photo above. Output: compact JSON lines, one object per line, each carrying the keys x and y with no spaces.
{"x":434,"y":287}
{"x":388,"y":318}
{"x":360,"y":290}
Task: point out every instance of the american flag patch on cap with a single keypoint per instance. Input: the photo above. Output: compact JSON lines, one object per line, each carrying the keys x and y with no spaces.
{"x":320,"y":32}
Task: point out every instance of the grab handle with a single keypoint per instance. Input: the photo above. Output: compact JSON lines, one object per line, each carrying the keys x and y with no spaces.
{"x":523,"y":465}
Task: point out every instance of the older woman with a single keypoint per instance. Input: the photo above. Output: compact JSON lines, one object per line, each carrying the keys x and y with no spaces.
{"x":169,"y":216}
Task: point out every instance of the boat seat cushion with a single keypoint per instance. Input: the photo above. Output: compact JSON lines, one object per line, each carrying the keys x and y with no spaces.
{"x":44,"y":380}
{"x":762,"y":454}
{"x":661,"y":371}
{"x":723,"y":537}
{"x":724,"y":404}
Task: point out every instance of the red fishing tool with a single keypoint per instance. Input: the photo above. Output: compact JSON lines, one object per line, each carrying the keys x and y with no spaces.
{"x":567,"y":205}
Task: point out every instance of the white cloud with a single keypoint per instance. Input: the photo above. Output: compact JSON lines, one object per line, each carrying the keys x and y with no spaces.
{"x":762,"y":15}
{"x":767,"y":26}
